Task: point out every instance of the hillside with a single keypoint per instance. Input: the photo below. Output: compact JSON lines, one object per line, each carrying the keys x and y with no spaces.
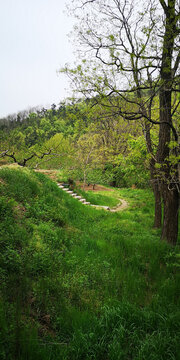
{"x":80,"y":283}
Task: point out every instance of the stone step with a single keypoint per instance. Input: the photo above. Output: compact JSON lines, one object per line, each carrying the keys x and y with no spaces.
{"x":106,"y":207}
{"x":65,"y":185}
{"x":87,"y":203}
{"x":60,"y":186}
{"x":73,"y":194}
{"x":82,"y":200}
{"x":78,"y":197}
{"x":70,"y":192}
{"x":65,"y":189}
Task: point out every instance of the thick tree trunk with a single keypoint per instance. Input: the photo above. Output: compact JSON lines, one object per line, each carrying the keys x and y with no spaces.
{"x":169,"y":192}
{"x":170,"y":219}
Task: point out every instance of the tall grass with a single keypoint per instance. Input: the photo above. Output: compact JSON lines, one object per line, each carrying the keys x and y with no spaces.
{"x":77,"y":283}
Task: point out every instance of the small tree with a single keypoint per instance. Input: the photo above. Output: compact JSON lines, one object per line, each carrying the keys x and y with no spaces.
{"x":89,"y":154}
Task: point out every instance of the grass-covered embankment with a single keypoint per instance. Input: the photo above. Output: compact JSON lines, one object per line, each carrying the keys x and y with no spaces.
{"x":77,"y":283}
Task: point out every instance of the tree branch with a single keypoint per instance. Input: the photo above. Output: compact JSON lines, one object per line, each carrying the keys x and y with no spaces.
{"x":85,"y":3}
{"x":5,"y":153}
{"x":176,"y":65}
{"x":24,"y":161}
{"x":164,"y":6}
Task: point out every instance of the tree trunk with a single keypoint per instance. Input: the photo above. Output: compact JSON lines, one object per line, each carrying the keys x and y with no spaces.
{"x":169,"y":192}
{"x":84,"y":180}
{"x":154,"y":180}
{"x":170,"y":219}
{"x":158,"y":206}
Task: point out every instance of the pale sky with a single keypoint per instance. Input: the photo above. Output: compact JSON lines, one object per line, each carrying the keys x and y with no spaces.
{"x":34,"y":45}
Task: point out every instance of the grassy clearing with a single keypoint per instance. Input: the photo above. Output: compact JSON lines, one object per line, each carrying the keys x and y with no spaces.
{"x":78,"y":283}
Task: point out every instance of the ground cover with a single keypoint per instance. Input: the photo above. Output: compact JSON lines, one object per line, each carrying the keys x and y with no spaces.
{"x":100,"y":197}
{"x":77,"y":283}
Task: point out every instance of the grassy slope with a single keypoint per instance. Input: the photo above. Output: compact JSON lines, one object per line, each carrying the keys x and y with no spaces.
{"x":78,"y":283}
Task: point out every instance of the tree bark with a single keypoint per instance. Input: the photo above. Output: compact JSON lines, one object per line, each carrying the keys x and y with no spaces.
{"x":170,"y":220}
{"x":169,"y":191}
{"x":154,"y":180}
{"x":158,"y":206}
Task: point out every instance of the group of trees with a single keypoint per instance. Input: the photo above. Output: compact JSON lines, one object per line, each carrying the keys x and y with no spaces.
{"x":28,"y":137}
{"x":81,"y":139}
{"x":127,"y":118}
{"x":130,"y":65}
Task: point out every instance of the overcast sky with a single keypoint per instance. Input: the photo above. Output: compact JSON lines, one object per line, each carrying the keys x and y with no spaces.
{"x":34,"y":45}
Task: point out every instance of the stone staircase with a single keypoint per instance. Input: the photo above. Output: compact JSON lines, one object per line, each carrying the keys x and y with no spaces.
{"x":79,"y":198}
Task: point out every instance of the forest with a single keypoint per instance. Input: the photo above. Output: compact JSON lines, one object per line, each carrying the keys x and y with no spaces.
{"x":85,"y":143}
{"x":89,"y":197}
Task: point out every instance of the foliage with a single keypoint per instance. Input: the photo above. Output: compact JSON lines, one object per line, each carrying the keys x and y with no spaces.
{"x":127,"y":59}
{"x":90,"y":151}
{"x":77,"y":283}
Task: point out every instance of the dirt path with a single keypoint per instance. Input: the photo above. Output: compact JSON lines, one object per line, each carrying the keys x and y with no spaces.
{"x":92,"y":188}
{"x":122,"y":206}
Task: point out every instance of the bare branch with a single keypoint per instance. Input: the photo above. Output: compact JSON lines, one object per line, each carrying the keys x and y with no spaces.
{"x":84,"y":4}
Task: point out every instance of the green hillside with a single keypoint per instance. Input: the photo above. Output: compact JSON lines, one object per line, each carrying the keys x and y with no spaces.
{"x":80,"y":283}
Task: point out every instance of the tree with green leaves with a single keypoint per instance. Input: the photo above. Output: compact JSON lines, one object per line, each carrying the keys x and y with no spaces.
{"x":130,"y":65}
{"x":89,"y":155}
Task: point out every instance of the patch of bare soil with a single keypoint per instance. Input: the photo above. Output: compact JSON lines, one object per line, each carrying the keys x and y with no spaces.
{"x":92,"y":187}
{"x":20,"y":211}
{"x":122,"y":206}
{"x":2,"y":182}
{"x":51,"y":173}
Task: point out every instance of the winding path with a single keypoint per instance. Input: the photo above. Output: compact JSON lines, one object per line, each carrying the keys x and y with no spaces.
{"x":121,"y":206}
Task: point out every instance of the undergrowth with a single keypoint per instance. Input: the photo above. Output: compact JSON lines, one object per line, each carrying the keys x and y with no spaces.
{"x":77,"y":283}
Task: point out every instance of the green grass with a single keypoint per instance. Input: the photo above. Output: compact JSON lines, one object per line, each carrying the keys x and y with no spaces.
{"x":104,"y":198}
{"x":77,"y":283}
